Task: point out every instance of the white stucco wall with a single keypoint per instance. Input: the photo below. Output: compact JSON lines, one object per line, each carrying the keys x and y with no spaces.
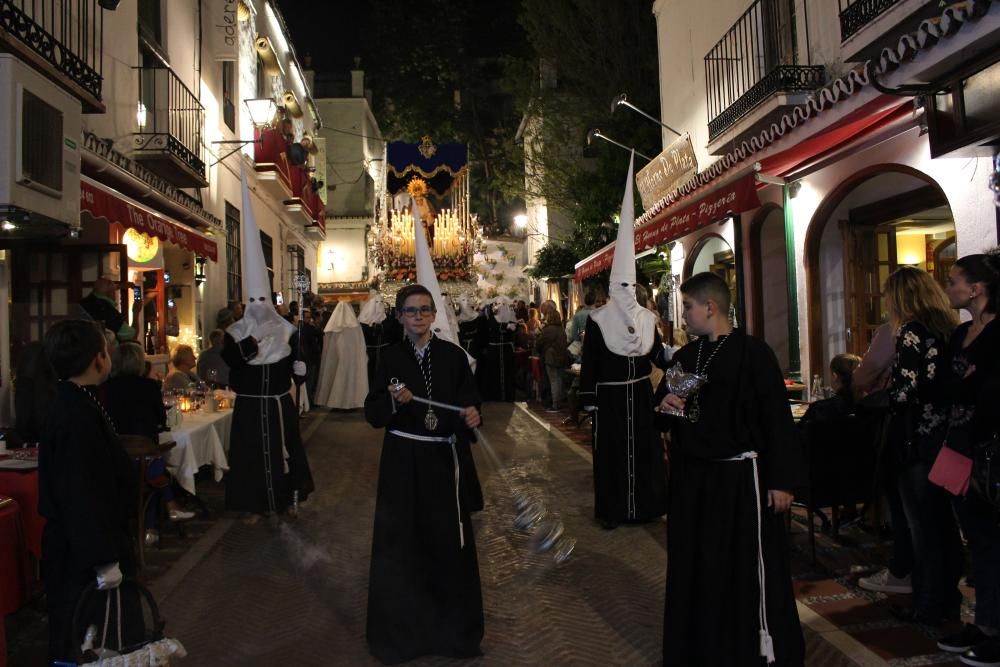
{"x":963,"y":180}
{"x":774,"y":285}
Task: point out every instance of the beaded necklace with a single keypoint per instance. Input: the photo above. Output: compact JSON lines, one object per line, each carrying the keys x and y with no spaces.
{"x":96,"y":402}
{"x":694,"y":411}
{"x":430,"y":419}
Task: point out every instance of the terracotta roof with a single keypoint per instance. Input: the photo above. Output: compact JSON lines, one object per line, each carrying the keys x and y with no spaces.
{"x":927,"y":34}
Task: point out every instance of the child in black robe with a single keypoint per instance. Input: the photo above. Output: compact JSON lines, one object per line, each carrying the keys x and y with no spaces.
{"x":424,"y":595}
{"x":87,"y":490}
{"x":729,"y":598}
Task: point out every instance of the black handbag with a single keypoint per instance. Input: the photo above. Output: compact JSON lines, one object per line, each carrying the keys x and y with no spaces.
{"x":985,"y":481}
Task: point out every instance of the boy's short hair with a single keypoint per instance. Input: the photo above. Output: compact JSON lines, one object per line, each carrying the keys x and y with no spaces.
{"x":589,"y":298}
{"x":71,"y":346}
{"x":411,"y":290}
{"x":708,"y":286}
{"x":217,"y":336}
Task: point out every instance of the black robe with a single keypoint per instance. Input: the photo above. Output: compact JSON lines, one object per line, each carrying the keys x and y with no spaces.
{"x":713,"y":592}
{"x":495,"y":367}
{"x":257,"y":481}
{"x":87,"y":494}
{"x":629,"y":473}
{"x":468,"y":332}
{"x":424,"y":595}
{"x":378,"y":337}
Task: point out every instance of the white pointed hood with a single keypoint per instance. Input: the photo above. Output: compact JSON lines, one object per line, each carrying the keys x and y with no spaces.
{"x":260,"y":319}
{"x":503,"y":310}
{"x":342,"y":318}
{"x":628,"y":328}
{"x":373,"y":310}
{"x":428,"y":278}
{"x":466,"y":312}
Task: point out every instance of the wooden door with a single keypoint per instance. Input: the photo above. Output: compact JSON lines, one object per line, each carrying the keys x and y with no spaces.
{"x":48,"y":283}
{"x":869,"y":258}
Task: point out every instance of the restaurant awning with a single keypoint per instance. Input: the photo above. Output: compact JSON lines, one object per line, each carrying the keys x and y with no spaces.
{"x":716,"y":202}
{"x":100,"y":201}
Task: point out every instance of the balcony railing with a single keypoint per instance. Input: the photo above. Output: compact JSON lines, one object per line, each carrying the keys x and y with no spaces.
{"x":64,"y":35}
{"x":757,"y":58}
{"x":169,"y":140}
{"x":856,"y":14}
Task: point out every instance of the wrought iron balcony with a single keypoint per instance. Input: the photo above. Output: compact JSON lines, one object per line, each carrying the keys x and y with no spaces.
{"x":171,"y":128}
{"x":856,"y":14}
{"x":755,"y":59}
{"x":61,"y":38}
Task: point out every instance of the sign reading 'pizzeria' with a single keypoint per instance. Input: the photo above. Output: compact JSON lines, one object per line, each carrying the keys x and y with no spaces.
{"x":671,"y":168}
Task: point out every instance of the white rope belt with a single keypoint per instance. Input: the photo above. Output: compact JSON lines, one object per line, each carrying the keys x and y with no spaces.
{"x":620,"y":383}
{"x":281,"y":420}
{"x":511,"y":344}
{"x":454,"y":457}
{"x":766,"y":643}
{"x":380,"y":345}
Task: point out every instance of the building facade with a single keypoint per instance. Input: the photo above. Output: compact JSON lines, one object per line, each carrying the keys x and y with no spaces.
{"x":834,"y":144}
{"x":354,"y":156}
{"x":157,"y":124}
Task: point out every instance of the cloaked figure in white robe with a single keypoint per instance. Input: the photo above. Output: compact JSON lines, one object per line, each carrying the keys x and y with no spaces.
{"x":343,"y":369}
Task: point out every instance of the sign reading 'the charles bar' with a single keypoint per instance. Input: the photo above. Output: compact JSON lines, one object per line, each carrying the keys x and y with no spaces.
{"x":674,"y":166}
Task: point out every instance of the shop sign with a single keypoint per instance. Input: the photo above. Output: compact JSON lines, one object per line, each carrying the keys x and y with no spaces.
{"x":101,"y":203}
{"x":668,"y":170}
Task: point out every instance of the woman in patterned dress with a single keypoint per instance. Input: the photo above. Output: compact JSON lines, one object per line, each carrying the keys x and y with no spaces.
{"x":923,"y":321}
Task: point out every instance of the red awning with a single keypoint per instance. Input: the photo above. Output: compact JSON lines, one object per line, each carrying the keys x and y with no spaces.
{"x":856,"y":125}
{"x":102,"y":202}
{"x":698,"y":210}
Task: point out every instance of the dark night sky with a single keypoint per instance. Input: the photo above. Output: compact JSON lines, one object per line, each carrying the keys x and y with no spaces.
{"x":335,"y":31}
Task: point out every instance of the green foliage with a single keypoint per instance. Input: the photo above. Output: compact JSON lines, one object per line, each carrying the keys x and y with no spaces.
{"x":554,"y":260}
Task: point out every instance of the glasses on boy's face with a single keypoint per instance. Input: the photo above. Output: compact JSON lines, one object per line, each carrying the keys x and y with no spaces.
{"x":413,"y":311}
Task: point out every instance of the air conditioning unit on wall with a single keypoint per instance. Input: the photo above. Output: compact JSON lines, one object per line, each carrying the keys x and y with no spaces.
{"x":39,"y":153}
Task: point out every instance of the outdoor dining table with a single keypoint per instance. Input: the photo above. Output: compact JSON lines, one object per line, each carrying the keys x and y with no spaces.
{"x":202,"y":438}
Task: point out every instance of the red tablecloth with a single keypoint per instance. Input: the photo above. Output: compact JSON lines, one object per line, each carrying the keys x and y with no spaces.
{"x":23,"y":487}
{"x":13,"y":560}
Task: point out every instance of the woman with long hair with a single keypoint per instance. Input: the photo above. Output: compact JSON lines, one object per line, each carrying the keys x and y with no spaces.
{"x":923,"y":321}
{"x":974,"y":286}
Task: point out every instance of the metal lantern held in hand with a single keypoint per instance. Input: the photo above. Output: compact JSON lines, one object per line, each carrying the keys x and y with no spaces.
{"x":302,"y":283}
{"x":685,"y":385}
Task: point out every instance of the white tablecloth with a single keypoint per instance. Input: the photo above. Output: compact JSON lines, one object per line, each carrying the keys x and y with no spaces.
{"x":202,"y":439}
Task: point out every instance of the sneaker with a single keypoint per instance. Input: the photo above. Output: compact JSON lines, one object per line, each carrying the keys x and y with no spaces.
{"x":961,"y":642}
{"x":151,"y":538}
{"x":552,"y":410}
{"x":180,"y":515}
{"x":884,"y":582}
{"x":984,"y":654}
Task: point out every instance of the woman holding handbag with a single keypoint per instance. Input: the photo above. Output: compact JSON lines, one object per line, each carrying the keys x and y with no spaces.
{"x":974,"y":286}
{"x":923,"y":321}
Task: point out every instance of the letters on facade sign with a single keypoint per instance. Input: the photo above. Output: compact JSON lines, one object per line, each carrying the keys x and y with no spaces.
{"x":103,"y":205}
{"x":671,"y":168}
{"x":222,"y":29}
{"x":737,"y":197}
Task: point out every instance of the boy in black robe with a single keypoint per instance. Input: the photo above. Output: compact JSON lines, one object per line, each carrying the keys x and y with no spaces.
{"x":86,"y":491}
{"x":424,"y":595}
{"x":729,"y":598}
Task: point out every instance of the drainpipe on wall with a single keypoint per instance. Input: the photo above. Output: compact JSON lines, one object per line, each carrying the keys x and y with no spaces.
{"x":794,"y":352}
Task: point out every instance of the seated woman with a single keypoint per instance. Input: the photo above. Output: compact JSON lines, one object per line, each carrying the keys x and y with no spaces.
{"x":136,"y":408}
{"x":183,"y":375}
{"x":842,"y":403}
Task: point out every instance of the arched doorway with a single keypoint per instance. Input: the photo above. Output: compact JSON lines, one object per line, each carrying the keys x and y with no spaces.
{"x":714,"y":254}
{"x":881,"y":218}
{"x":769,"y":277}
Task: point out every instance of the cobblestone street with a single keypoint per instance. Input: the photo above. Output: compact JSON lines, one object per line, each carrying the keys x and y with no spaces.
{"x":295,"y":593}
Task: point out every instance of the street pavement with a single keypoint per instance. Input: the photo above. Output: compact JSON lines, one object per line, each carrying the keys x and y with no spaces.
{"x":295,"y":592}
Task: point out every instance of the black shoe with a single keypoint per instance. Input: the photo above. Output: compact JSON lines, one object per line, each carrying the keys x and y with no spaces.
{"x":910,"y":615}
{"x":984,"y":654}
{"x":962,"y":641}
{"x":609,"y":525}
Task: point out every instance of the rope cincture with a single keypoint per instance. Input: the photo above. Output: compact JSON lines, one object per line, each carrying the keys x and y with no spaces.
{"x":766,"y":641}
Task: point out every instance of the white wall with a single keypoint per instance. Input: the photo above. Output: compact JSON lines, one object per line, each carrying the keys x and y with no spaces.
{"x":774,"y":285}
{"x":963,"y":181}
